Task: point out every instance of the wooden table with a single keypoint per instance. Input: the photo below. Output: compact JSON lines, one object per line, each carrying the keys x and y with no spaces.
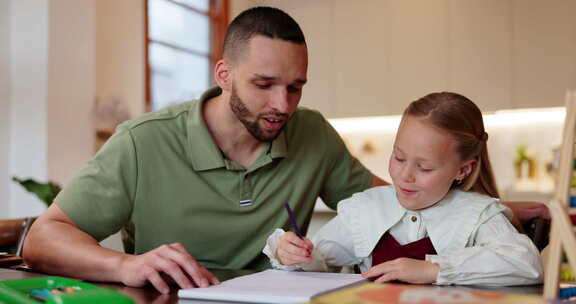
{"x":150,"y":295}
{"x":140,"y":295}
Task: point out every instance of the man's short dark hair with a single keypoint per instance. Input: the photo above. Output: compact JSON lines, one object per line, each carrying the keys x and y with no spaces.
{"x":266,"y":21}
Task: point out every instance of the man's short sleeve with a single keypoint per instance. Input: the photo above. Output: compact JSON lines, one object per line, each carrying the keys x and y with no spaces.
{"x":99,"y":199}
{"x":347,"y":175}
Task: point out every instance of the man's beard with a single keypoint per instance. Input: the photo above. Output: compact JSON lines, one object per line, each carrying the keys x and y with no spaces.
{"x":242,"y":113}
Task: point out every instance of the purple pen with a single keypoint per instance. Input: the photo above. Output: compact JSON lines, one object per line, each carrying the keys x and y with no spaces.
{"x":293,"y":220}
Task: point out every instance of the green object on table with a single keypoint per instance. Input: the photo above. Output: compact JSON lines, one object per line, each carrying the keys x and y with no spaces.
{"x":20,"y":291}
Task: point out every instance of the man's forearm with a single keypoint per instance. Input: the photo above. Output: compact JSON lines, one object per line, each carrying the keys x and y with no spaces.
{"x":60,"y":248}
{"x":56,"y":245}
{"x":525,"y":211}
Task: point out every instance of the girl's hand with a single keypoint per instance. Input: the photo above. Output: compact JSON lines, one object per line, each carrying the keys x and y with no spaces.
{"x":405,"y":270}
{"x":293,"y":250}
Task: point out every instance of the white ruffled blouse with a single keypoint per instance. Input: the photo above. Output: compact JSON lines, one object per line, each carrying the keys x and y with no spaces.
{"x":475,"y":242}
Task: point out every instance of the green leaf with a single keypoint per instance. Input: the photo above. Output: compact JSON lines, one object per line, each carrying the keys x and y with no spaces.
{"x":46,"y":192}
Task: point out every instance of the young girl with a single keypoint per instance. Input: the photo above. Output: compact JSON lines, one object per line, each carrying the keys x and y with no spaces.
{"x":440,"y":222}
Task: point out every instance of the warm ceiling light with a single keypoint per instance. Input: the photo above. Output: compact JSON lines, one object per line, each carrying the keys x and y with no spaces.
{"x":493,"y":119}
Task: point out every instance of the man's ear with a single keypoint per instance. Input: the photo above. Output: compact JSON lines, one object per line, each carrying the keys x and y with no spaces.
{"x":223,"y":74}
{"x":466,"y":168}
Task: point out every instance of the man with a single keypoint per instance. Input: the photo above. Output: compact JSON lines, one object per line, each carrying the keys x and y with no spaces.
{"x":201,"y":184}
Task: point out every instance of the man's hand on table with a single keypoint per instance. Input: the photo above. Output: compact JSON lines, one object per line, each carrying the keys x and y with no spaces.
{"x":172,"y":260}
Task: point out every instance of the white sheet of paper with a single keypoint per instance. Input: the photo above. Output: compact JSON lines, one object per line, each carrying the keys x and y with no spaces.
{"x":273,"y":286}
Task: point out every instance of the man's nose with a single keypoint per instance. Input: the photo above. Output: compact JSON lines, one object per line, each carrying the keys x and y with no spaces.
{"x":280,"y":101}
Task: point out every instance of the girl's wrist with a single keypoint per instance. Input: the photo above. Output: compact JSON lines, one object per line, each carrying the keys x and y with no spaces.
{"x":434,"y":270}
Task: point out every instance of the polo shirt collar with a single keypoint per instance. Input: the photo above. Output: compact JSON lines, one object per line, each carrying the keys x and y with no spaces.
{"x":205,"y":154}
{"x":279,"y":147}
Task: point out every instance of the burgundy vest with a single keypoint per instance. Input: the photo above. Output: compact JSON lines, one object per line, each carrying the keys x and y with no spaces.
{"x":389,"y":249}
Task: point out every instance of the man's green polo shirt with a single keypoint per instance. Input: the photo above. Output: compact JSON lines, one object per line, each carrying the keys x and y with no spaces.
{"x":163,"y":179}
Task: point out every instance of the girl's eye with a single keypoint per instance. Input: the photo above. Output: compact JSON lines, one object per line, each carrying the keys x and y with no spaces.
{"x":425,"y":169}
{"x":398,"y":159}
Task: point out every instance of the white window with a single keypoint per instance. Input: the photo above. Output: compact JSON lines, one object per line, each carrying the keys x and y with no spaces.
{"x":184,"y":40}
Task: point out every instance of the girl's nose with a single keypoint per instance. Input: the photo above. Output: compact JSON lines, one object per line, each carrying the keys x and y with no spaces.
{"x":407,"y":174}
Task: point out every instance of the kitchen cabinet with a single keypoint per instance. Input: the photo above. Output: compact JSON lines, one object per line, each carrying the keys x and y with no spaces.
{"x":417,"y":58}
{"x":479,"y":51}
{"x":544,"y":52}
{"x":361,"y":45}
{"x":373,"y":57}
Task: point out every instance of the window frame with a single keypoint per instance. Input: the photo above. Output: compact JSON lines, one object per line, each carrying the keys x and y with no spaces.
{"x":218,"y":13}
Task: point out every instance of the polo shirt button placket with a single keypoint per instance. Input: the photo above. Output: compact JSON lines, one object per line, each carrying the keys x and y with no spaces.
{"x":245,"y":190}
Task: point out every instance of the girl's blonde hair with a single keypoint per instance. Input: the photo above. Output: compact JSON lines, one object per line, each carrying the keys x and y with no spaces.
{"x":462,"y":119}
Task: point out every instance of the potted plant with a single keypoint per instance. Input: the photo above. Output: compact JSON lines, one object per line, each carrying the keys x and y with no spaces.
{"x":46,"y":192}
